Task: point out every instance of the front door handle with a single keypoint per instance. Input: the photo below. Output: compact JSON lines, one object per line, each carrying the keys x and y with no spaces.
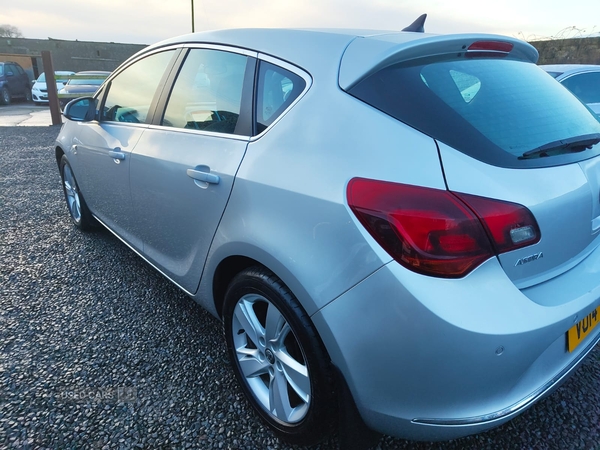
{"x":202,"y":174}
{"x":116,"y":154}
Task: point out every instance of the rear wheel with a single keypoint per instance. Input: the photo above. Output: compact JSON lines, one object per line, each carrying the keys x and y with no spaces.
{"x":278,"y":357}
{"x":80,"y":214}
{"x":27,"y":95}
{"x":5,"y":96}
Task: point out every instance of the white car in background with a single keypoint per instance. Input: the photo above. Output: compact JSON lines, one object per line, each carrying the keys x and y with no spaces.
{"x":39,"y":91}
{"x":583,"y":80}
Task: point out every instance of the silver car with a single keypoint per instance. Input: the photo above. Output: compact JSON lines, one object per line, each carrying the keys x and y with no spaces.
{"x":583,"y":80}
{"x":398,"y":229}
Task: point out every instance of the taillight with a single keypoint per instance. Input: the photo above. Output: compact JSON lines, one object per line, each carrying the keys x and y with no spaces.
{"x":489,"y":49}
{"x":490,"y":46}
{"x":437,"y":232}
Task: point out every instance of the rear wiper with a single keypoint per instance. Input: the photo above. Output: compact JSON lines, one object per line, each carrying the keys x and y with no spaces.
{"x":571,"y":145}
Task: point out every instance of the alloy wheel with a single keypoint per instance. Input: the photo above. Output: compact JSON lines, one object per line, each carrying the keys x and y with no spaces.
{"x":271,"y":359}
{"x":72,"y":193}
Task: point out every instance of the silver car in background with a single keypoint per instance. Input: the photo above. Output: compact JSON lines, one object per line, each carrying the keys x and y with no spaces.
{"x":583,"y":80}
{"x":397,"y":229}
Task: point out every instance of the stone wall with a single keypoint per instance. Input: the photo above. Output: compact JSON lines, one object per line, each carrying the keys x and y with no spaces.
{"x":569,"y":51}
{"x":66,"y":55}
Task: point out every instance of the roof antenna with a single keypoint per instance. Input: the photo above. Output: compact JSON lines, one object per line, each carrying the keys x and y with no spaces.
{"x":418,"y":26}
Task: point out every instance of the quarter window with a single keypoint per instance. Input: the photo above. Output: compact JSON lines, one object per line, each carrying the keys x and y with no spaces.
{"x":131,"y":92}
{"x":207,"y":94}
{"x":277,"y":89}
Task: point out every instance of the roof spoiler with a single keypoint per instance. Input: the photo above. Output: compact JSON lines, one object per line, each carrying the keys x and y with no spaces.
{"x":418,"y":26}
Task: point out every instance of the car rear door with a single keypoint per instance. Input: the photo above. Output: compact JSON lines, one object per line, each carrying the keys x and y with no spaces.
{"x":15,"y":82}
{"x":183,"y":168}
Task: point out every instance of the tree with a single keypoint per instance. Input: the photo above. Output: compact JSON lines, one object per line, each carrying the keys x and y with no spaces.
{"x":10,"y":31}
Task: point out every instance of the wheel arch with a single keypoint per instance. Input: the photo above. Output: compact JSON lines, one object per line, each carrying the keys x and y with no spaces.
{"x":233,"y":258}
{"x":58,"y":153}
{"x":224,"y":273}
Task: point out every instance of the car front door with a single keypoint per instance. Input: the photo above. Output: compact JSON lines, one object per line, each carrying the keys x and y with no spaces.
{"x":105,"y":145}
{"x":182,"y":170}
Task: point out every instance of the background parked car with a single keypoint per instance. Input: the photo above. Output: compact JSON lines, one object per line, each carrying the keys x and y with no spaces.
{"x":583,"y":80}
{"x":14,"y":82}
{"x":39,"y":91}
{"x":81,"y":85}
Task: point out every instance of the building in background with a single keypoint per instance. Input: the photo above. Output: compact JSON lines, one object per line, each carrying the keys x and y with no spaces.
{"x":74,"y":56}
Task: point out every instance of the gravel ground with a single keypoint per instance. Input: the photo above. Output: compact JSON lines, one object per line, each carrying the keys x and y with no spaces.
{"x":100,"y":351}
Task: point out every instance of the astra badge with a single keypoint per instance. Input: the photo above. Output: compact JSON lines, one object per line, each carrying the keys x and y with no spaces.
{"x":529,"y":259}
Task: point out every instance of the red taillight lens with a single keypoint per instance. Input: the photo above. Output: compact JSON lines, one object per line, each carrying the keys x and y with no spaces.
{"x":510,"y":225}
{"x":436,"y":232}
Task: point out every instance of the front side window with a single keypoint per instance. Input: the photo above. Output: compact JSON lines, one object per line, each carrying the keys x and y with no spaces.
{"x":499,"y":111}
{"x":277,"y":89}
{"x":131,"y":92}
{"x":207,"y":94}
{"x":585,"y":86}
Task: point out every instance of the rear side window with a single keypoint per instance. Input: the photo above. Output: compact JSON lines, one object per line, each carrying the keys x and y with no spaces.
{"x":208,"y":92}
{"x":494,"y":110}
{"x":585,"y":86}
{"x":276,"y":90}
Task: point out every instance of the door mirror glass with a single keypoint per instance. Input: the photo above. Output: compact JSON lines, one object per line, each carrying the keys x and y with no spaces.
{"x":81,"y":109}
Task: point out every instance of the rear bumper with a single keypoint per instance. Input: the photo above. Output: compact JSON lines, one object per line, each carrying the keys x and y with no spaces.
{"x":433,"y":359}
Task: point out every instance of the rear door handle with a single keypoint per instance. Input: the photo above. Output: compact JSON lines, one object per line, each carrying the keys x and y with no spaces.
{"x":202,"y":174}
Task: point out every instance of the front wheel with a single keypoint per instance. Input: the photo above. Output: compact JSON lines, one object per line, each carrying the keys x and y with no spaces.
{"x":278,"y":357}
{"x":78,"y":210}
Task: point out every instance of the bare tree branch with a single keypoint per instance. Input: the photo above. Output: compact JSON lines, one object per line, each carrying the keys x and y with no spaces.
{"x":10,"y":31}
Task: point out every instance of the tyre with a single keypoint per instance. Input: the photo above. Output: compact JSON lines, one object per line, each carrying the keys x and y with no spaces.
{"x":5,"y":96}
{"x":278,"y":358}
{"x":28,"y":95}
{"x":78,"y":210}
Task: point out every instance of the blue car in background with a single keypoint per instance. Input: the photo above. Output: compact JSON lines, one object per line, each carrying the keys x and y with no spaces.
{"x":14,"y":83}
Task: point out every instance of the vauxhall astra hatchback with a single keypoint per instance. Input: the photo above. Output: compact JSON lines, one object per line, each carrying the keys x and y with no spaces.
{"x":396,"y":228}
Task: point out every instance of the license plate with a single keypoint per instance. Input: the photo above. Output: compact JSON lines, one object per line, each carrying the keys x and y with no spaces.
{"x":582,"y":329}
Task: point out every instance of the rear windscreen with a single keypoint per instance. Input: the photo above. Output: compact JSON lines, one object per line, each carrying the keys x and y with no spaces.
{"x":494,"y":110}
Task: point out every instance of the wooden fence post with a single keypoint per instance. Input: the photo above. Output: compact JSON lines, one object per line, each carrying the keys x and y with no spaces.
{"x":51,"y":86}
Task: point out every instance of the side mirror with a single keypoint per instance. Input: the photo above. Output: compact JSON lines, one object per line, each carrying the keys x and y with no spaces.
{"x":81,"y":109}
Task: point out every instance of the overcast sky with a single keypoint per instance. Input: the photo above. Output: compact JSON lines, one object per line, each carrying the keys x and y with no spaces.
{"x":149,"y":21}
